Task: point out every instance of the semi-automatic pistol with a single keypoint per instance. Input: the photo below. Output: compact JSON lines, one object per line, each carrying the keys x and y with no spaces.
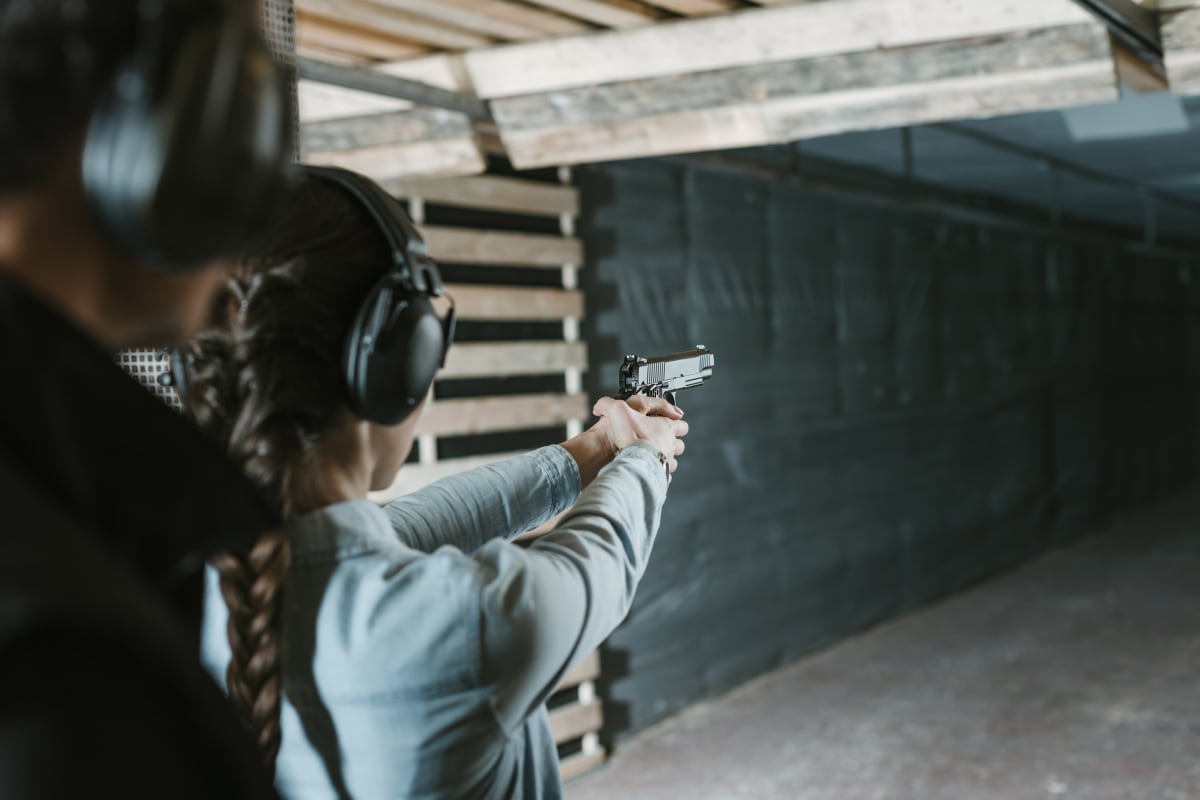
{"x":663,"y":376}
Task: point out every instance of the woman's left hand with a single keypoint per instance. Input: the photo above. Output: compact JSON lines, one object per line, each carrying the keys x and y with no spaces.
{"x":594,"y":448}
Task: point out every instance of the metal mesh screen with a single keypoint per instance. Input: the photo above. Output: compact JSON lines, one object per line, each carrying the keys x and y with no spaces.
{"x":146,"y":366}
{"x":279,"y":27}
{"x":278,"y":18}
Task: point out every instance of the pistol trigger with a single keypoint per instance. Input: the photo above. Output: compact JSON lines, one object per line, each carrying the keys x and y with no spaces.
{"x":670,"y":397}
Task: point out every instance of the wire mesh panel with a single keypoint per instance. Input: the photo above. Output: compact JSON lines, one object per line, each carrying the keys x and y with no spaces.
{"x":147,"y":366}
{"x":279,"y":26}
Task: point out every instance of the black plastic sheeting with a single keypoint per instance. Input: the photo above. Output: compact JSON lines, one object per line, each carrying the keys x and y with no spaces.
{"x":902,"y":406}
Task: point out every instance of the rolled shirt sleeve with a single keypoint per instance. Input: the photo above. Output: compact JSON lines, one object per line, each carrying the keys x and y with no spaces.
{"x":500,"y":500}
{"x":547,"y":606}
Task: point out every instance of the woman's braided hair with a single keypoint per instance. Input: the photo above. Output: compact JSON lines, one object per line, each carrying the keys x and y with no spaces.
{"x":265,"y":380}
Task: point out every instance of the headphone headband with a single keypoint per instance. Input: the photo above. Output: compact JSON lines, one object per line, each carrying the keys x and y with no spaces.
{"x":412,"y":268}
{"x":396,"y":342}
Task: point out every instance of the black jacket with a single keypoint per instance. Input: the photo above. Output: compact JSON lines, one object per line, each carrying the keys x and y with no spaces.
{"x":109,"y":504}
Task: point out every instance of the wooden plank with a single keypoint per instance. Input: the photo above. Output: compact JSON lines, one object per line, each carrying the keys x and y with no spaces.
{"x":695,"y":8}
{"x":1181,"y":29}
{"x":783,"y":101}
{"x":336,"y":35}
{"x":753,"y":37}
{"x":505,"y":359}
{"x":394,"y":23}
{"x":572,"y":721}
{"x":575,"y":765}
{"x":967,"y":98}
{"x":415,"y":476}
{"x":507,"y":303}
{"x":462,"y":16}
{"x":826,"y":76}
{"x":1181,"y":43}
{"x":493,"y":193}
{"x":439,"y":69}
{"x":384,"y":130}
{"x":320,"y":101}
{"x":331,"y":56}
{"x":586,"y":670}
{"x":494,"y":248}
{"x":475,"y":415}
{"x":549,"y":23}
{"x":609,"y":13}
{"x":781,"y":122}
{"x":456,"y":156}
{"x":1135,"y":73}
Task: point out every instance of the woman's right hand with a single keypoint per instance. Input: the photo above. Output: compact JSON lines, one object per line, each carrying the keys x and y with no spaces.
{"x":640,"y":418}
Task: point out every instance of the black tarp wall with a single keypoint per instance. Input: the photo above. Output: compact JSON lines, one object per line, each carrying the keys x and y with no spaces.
{"x":903,"y":405}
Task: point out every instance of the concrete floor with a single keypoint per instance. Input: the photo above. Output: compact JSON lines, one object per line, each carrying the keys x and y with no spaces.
{"x":1077,"y":676}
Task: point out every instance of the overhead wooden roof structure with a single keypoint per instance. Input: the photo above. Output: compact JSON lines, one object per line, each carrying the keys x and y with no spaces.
{"x":578,"y":81}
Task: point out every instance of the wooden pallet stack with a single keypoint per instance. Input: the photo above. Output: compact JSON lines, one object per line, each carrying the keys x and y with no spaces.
{"x":553,"y":360}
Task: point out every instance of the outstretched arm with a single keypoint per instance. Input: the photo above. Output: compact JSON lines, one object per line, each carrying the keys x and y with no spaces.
{"x":547,"y":606}
{"x":495,"y":501}
{"x":504,"y":500}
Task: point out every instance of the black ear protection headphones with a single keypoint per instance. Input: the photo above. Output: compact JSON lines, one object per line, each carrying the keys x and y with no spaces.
{"x":397,"y":341}
{"x":189,"y":150}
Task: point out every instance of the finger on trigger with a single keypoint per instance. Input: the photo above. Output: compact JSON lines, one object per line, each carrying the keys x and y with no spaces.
{"x":638,"y":402}
{"x":659,"y":407}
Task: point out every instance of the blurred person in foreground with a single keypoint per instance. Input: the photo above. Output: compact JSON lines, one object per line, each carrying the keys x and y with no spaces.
{"x":140,"y":145}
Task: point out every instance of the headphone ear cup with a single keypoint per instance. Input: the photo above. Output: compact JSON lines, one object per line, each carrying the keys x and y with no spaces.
{"x":188,"y":153}
{"x":392,"y":353}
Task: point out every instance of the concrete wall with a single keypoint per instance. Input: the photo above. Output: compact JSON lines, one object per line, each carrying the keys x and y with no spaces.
{"x":903,"y":405}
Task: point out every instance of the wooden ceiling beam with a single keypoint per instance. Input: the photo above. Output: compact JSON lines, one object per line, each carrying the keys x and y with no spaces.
{"x":391,"y":22}
{"x":695,"y":8}
{"x":420,"y":142}
{"x":462,"y":16}
{"x":798,"y":99}
{"x":607,"y":13}
{"x":549,"y":23}
{"x":755,"y":36}
{"x":1180,"y":20}
{"x":355,"y":42}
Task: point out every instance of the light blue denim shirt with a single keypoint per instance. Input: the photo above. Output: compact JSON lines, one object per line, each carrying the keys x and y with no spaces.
{"x":420,"y":645}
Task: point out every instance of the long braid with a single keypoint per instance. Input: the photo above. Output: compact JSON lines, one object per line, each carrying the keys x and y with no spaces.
{"x":252,"y":587}
{"x":264,"y":380}
{"x":232,"y":392}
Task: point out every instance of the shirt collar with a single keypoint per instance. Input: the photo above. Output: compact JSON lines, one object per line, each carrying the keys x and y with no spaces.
{"x":137,"y":474}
